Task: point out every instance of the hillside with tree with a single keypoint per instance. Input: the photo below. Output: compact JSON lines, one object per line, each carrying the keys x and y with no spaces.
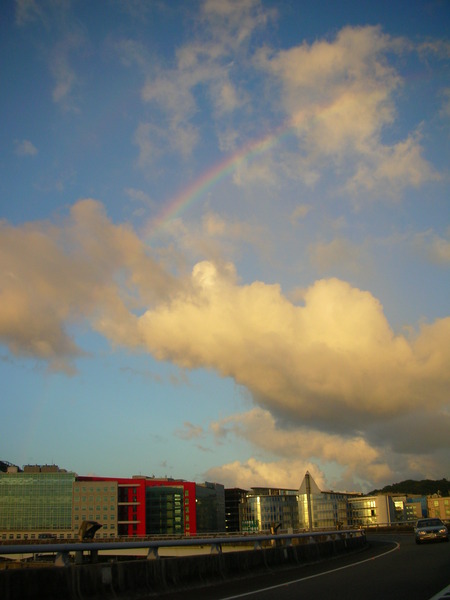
{"x":426,"y":487}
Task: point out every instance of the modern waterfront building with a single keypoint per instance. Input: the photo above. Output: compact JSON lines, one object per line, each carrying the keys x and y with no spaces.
{"x":48,"y":501}
{"x":151,"y":506}
{"x":167,"y":509}
{"x":210,"y":507}
{"x":309,"y":508}
{"x":36,"y":502}
{"x":368,"y":511}
{"x":439,"y":506}
{"x":323,"y":510}
{"x":233,"y":499}
{"x":96,"y":501}
{"x":269,"y":509}
{"x":416,"y":508}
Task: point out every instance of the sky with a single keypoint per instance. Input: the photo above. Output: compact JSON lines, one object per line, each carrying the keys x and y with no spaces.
{"x":225,"y":239}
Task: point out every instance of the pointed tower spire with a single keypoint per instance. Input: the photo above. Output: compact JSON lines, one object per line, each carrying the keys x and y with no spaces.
{"x":309,"y":487}
{"x":308,"y":481}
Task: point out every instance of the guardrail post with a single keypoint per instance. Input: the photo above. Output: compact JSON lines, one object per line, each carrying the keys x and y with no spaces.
{"x":62,"y":559}
{"x":216,"y":548}
{"x":152,"y":553}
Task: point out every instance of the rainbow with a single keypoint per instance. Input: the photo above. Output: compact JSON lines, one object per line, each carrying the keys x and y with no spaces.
{"x":212,"y":176}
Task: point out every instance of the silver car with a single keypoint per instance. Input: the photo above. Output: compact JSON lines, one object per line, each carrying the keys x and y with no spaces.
{"x":430,"y":529}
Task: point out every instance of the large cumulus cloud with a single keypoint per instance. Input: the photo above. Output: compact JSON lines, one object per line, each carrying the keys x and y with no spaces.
{"x":86,"y":268}
{"x":332,"y":359}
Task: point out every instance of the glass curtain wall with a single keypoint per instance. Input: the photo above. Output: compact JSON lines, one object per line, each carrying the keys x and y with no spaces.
{"x":262,"y":513}
{"x":36,"y":501}
{"x":164,"y":510}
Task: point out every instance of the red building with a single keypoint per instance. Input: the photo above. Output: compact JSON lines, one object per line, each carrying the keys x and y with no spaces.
{"x":149,"y":506}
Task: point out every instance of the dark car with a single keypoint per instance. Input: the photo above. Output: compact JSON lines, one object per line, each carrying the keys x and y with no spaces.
{"x":430,"y":529}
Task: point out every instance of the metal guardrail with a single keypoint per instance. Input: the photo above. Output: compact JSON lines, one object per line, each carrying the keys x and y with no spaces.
{"x":63,"y":551}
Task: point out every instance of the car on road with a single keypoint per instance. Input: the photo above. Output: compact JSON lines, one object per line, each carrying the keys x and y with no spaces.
{"x":430,"y":529}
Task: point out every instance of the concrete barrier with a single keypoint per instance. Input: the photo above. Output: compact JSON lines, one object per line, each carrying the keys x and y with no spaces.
{"x":140,"y":577}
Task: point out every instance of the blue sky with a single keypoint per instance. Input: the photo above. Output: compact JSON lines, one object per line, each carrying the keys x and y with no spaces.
{"x":225,"y":239}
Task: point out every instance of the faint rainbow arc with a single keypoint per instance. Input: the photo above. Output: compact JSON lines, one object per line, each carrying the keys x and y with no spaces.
{"x":217,"y":172}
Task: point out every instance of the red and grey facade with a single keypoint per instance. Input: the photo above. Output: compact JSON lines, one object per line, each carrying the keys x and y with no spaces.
{"x":145,"y":505}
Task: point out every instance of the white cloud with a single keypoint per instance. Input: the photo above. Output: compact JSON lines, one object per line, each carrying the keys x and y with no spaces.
{"x":154,"y":141}
{"x":284,"y":440}
{"x":339,"y":96}
{"x":87,"y":269}
{"x":334,"y":354}
{"x":226,"y":97}
{"x":25,"y":148}
{"x":190,"y":431}
{"x":184,"y":137}
{"x":256,"y":473}
{"x":433,"y":246}
{"x":57,"y":17}
{"x":208,"y":63}
{"x":216,"y":235}
{"x":333,"y":358}
{"x":366,"y":459}
{"x":64,"y":76}
{"x":28,"y":11}
{"x":300,"y":212}
{"x":131,"y":52}
{"x":260,"y":173}
{"x":139,"y":195}
{"x":392,"y":169}
{"x":233,"y":21}
{"x":145,"y":137}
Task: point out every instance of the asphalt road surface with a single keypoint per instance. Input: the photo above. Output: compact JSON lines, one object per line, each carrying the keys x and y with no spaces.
{"x":393,"y":568}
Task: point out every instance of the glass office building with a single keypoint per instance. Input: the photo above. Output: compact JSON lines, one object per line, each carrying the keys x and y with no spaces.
{"x":233,"y":499}
{"x":38,"y":500}
{"x":305,"y":509}
{"x":164,"y":510}
{"x":328,"y":510}
{"x":210,"y":507}
{"x":264,"y":509}
{"x":372,"y":510}
{"x":324,"y":510}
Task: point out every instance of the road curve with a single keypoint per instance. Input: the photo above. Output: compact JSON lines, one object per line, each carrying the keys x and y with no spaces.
{"x":392,"y":568}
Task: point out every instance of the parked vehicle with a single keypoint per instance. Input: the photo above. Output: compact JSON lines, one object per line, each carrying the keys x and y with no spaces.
{"x":430,"y":529}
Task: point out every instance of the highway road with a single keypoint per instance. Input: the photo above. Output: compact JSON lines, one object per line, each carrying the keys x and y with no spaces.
{"x":393,"y":568}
